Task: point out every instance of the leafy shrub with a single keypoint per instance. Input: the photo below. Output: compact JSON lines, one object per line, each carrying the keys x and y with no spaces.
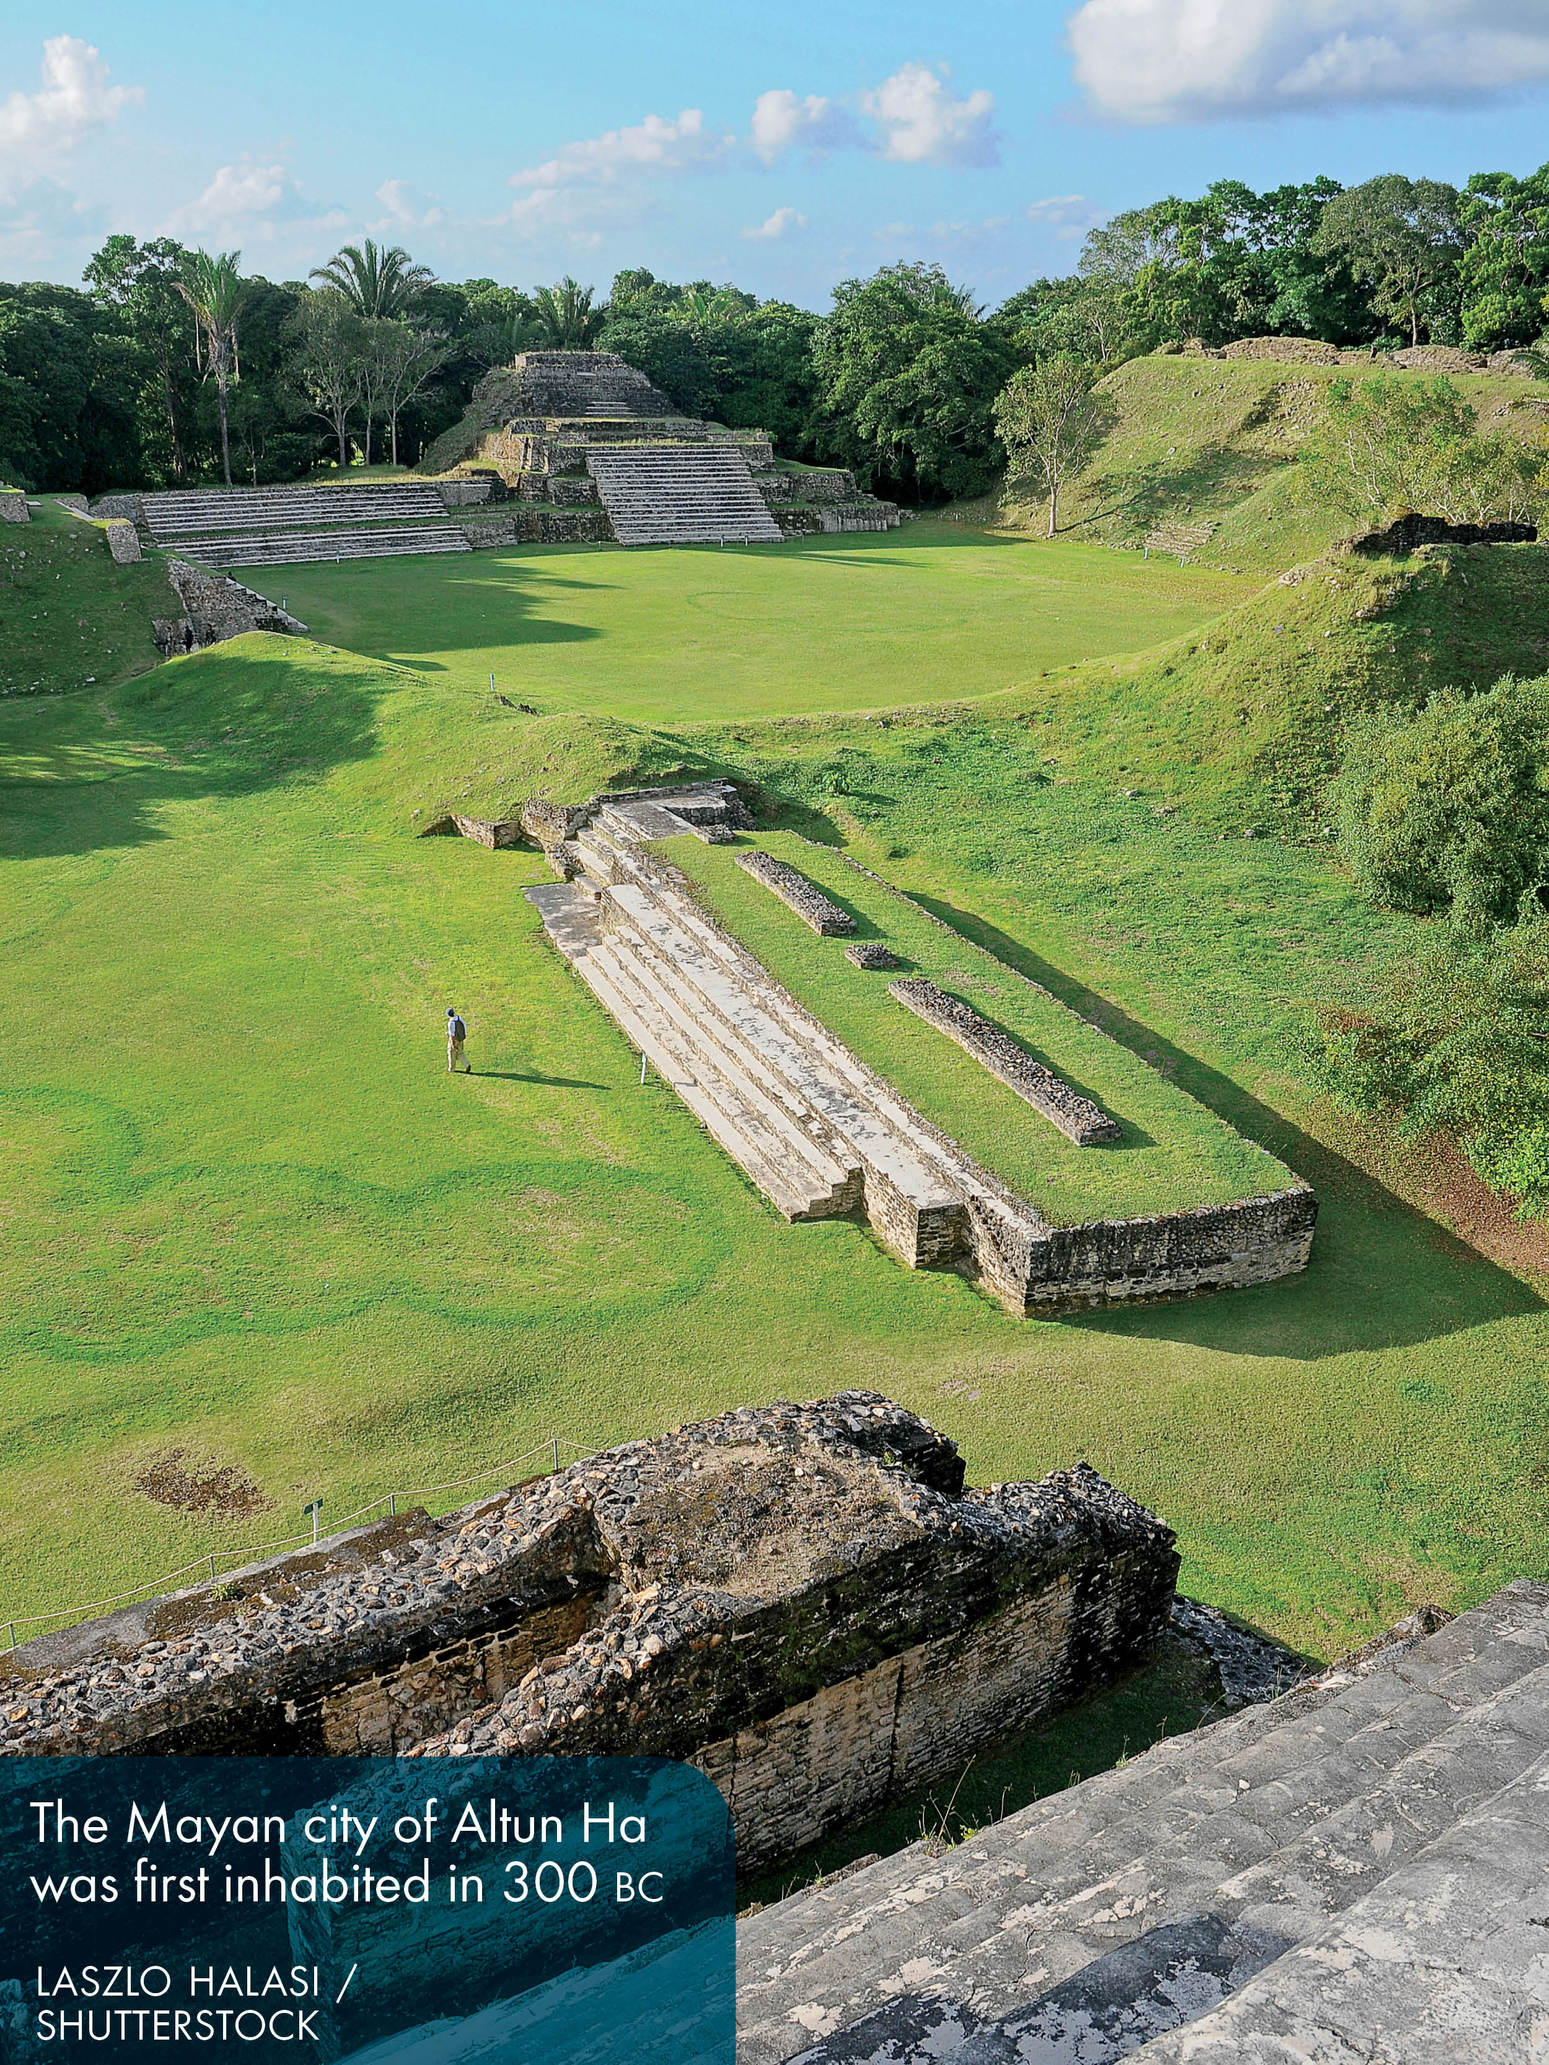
{"x":1391,"y":444}
{"x":1447,"y":809}
{"x":1456,"y":1042}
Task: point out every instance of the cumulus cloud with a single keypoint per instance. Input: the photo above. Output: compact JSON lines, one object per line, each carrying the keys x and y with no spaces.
{"x":782,"y":121}
{"x":785,"y":222}
{"x":250,"y":202}
{"x":1194,"y":60}
{"x":406,"y":207}
{"x":1068,"y":215}
{"x":601,"y":183}
{"x":73,"y":100}
{"x":923,"y":122}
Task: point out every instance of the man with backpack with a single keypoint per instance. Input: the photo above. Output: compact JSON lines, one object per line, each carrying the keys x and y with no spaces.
{"x":456,"y":1033}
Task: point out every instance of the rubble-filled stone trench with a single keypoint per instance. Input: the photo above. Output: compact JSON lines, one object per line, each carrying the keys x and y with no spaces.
{"x":802,"y":1600}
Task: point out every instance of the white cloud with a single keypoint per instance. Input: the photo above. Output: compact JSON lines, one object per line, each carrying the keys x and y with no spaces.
{"x":784,"y":222}
{"x":1068,"y":215}
{"x":943,"y":236}
{"x":407,"y":207}
{"x":1193,"y":60}
{"x":73,"y":100}
{"x":924,"y":123}
{"x":249,"y":203}
{"x":781,"y":120}
{"x":601,"y":183}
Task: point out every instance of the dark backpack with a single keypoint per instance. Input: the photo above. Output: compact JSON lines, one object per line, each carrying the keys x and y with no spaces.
{"x":456,"y":1030}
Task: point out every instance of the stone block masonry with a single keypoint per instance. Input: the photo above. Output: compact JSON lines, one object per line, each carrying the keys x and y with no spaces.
{"x":802,"y":1600}
{"x":13,"y":506}
{"x":1077,"y":1117}
{"x":870,"y":953}
{"x":216,"y":608}
{"x":793,"y":889}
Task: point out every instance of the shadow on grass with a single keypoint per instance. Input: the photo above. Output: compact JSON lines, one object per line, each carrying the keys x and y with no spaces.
{"x":83,"y":773}
{"x":518,"y":1075}
{"x":1382,"y":1274}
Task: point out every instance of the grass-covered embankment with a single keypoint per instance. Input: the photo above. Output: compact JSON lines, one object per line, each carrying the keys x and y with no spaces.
{"x":1174,"y":1154}
{"x":70,"y":616}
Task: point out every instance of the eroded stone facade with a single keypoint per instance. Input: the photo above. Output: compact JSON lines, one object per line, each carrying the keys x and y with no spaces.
{"x":803,"y":1600}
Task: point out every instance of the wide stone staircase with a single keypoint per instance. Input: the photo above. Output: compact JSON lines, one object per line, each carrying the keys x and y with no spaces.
{"x":278,"y":526}
{"x":1357,"y":1871}
{"x":691,"y":494}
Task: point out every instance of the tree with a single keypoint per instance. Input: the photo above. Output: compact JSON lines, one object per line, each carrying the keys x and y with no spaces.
{"x":1402,"y":238}
{"x":331,"y":343}
{"x":1395,"y":443}
{"x":907,"y":372}
{"x":566,"y":316}
{"x":1051,"y":422}
{"x":380,"y":285}
{"x":1505,"y":270}
{"x":406,"y":358}
{"x":69,"y":392}
{"x":215,"y":292}
{"x":142,"y":280}
{"x":1446,"y":809}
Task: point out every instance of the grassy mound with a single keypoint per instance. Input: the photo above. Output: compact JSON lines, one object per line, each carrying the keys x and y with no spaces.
{"x":71,"y":616}
{"x":1174,"y":1154}
{"x":1198,"y":440}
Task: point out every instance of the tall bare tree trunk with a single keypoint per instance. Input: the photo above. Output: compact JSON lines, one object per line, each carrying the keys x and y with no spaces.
{"x":393,"y":421}
{"x":1054,"y":506}
{"x":220,"y":391}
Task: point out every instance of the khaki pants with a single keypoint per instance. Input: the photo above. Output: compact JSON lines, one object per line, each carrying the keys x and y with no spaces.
{"x":456,"y":1059}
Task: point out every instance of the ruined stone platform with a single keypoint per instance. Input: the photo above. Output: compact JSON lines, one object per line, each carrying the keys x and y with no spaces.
{"x":821,"y":1134}
{"x":1355,"y":1871}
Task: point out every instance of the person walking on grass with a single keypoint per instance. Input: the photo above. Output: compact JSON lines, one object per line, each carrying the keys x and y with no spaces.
{"x":456,"y":1033}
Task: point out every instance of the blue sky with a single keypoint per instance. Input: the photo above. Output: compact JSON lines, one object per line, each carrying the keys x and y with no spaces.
{"x":781,"y":147}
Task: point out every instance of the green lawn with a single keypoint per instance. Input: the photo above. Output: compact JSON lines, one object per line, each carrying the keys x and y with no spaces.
{"x":1174,"y":1155}
{"x":835,"y":623}
{"x":246,"y":1213}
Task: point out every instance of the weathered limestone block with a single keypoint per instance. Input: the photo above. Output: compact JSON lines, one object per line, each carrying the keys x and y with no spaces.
{"x":794,"y":890}
{"x":804,"y":1599}
{"x":130,"y":507}
{"x":124,"y":542}
{"x":77,"y":503}
{"x":1076,"y":1116}
{"x":217,"y":608}
{"x":496,"y":833}
{"x":547,"y":824}
{"x":13,"y":506}
{"x":871,"y":953}
{"x":482,"y":532}
{"x":464,"y":494}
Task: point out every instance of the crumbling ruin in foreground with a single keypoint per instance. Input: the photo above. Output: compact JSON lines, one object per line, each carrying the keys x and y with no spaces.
{"x":801,"y":1600}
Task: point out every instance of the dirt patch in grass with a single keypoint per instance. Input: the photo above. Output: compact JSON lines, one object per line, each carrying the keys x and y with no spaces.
{"x":173,"y":1479}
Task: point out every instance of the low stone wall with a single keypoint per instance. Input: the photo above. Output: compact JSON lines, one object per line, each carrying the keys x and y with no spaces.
{"x":1077,"y":1117}
{"x":499,"y":833}
{"x":464,"y":494}
{"x":1412,"y":532}
{"x":482,"y":532}
{"x":13,"y":506}
{"x":793,"y":889}
{"x":130,"y":507}
{"x":543,"y":524}
{"x":217,"y":608}
{"x":803,"y":1600}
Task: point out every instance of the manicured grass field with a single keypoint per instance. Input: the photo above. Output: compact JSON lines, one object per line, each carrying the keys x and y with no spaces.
{"x":247,"y":1215}
{"x":1175,"y":1154}
{"x":924,"y":613}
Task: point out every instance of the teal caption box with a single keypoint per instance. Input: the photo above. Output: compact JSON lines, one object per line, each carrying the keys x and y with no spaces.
{"x":410,"y":1911}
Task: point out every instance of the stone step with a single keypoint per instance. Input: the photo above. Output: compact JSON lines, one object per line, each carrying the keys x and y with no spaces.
{"x":785,"y":1177}
{"x":1442,"y":1963}
{"x":744,"y":1007}
{"x":811,"y":1138}
{"x":791,"y":1138}
{"x":688,"y":494}
{"x":614,"y":859}
{"x":311,"y":546}
{"x":1001,"y":1917}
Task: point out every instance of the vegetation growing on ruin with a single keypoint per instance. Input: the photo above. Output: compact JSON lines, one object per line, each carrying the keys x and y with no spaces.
{"x":68,"y":614}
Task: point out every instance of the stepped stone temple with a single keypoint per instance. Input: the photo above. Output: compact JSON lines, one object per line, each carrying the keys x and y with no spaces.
{"x":819,"y":1133}
{"x":591,"y":450}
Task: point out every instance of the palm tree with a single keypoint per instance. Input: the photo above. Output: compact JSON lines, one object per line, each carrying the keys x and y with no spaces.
{"x":565,"y":311}
{"x":216,"y":294}
{"x":379,"y":285}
